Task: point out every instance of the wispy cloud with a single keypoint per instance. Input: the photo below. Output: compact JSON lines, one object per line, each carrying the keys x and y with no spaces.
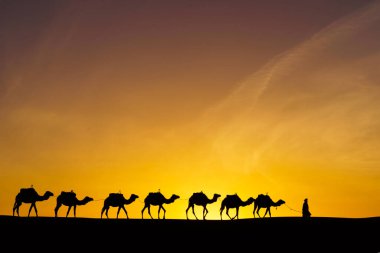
{"x":315,"y":102}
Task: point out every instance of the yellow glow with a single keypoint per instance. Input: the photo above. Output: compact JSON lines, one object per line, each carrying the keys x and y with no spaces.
{"x":138,"y":117}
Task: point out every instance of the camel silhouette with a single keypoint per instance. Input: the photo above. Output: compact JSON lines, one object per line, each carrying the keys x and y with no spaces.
{"x":29,"y":195}
{"x":70,"y":200}
{"x":157,"y":199}
{"x":200,"y":199}
{"x":264,"y":201}
{"x":117,"y":200}
{"x":234,"y":201}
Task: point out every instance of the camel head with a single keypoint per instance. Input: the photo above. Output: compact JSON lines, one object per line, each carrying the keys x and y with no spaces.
{"x":48,"y":194}
{"x":174,"y":197}
{"x":216,"y":196}
{"x":88,"y":199}
{"x":133,"y":197}
{"x":279,"y":203}
{"x":84,"y":201}
{"x":249,"y":201}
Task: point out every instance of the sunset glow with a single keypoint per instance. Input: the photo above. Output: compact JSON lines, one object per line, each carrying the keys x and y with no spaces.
{"x":246,"y":97}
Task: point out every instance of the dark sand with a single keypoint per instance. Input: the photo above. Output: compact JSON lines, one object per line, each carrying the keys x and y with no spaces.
{"x":276,"y":234}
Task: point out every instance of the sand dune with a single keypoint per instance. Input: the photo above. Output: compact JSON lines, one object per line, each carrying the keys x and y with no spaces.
{"x":276,"y":234}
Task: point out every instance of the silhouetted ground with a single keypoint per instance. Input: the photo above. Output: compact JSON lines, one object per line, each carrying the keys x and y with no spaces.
{"x":276,"y":234}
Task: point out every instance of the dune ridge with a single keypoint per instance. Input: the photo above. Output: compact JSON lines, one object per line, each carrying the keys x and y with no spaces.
{"x":177,"y":235}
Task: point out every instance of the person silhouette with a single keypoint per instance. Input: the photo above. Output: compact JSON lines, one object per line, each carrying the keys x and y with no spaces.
{"x":305,"y":209}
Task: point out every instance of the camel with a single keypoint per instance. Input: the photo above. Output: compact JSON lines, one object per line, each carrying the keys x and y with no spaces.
{"x":157,"y":199}
{"x":29,"y":195}
{"x":234,"y":201}
{"x":117,"y":200}
{"x":70,"y":200}
{"x":264,"y":201}
{"x":200,"y":199}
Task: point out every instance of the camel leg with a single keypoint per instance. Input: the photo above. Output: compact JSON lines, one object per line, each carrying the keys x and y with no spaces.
{"x":159,"y":210}
{"x":164,"y":211}
{"x":194,"y":213}
{"x":75,"y":211}
{"x":258,"y":209}
{"x":237,"y":213}
{"x":107,"y":208}
{"x":16,"y":208}
{"x":101,"y":214}
{"x":142,"y":212}
{"x":254,"y":210}
{"x":68,"y":211}
{"x":118,"y":211}
{"x":30,"y":209}
{"x":266,"y":212}
{"x":187,"y":209}
{"x":221,"y":212}
{"x":270,"y":215}
{"x":149,"y":212}
{"x":205,"y":212}
{"x":33,"y":205}
{"x":227,"y":212}
{"x":125,"y":211}
{"x":56,"y":209}
{"x":35,"y":209}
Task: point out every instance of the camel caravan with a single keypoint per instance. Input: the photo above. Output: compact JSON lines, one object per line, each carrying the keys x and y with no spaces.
{"x":70,"y":200}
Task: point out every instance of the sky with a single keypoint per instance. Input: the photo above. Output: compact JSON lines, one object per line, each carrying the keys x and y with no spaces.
{"x":248,"y":97}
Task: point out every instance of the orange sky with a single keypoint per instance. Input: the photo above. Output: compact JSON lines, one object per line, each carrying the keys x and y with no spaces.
{"x":223,"y":97}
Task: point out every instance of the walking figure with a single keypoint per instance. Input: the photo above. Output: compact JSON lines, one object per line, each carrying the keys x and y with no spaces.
{"x":305,"y":209}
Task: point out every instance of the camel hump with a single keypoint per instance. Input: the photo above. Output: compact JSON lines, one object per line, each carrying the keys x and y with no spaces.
{"x":264,"y":197}
{"x":119,"y":196}
{"x":116,"y":194}
{"x":27,"y":191}
{"x":232,"y":196}
{"x":68,"y":194}
{"x":155,"y":194}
